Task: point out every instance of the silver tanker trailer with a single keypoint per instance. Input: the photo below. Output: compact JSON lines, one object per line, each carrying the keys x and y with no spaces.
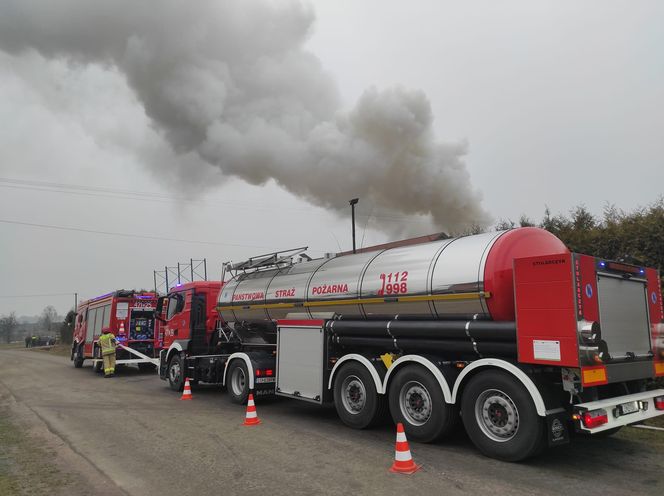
{"x":508,"y":332}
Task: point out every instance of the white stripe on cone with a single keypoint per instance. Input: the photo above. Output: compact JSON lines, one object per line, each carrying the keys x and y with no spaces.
{"x":401,"y":437}
{"x":402,"y":456}
{"x":251,"y":415}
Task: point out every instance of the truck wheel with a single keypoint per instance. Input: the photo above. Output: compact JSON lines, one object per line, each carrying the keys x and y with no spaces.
{"x":238,"y":382}
{"x":175,"y":378}
{"x":417,"y":401}
{"x":500,"y":417}
{"x":357,"y":402}
{"x":78,"y":357}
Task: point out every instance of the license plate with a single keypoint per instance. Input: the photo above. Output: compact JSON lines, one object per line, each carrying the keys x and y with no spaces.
{"x":627,"y":408}
{"x":264,"y":380}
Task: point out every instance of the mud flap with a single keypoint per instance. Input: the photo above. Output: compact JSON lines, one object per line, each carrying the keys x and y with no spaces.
{"x":557,"y":427}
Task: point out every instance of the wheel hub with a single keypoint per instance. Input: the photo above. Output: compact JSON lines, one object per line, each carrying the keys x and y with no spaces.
{"x":238,"y":381}
{"x":415,"y":402}
{"x":497,"y":415}
{"x":175,"y":372}
{"x":354,"y":394}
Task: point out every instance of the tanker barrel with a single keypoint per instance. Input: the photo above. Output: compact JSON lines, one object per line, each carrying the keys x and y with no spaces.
{"x":430,"y":329}
{"x":478,"y":330}
{"x":386,"y":344}
{"x":413,"y":317}
{"x":492,"y":331}
{"x":406,"y":329}
{"x":440,"y":346}
{"x":359,"y":328}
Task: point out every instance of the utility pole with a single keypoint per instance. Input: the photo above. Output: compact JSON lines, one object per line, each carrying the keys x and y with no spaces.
{"x":352,"y":203}
{"x":75,"y":302}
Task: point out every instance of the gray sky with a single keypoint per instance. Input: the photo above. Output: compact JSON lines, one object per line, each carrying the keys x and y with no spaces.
{"x":554,"y":103}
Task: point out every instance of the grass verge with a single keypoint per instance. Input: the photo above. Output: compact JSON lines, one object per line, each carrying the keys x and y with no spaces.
{"x":26,"y":468}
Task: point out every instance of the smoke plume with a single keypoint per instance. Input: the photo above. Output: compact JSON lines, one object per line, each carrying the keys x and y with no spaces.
{"x":230,"y":82}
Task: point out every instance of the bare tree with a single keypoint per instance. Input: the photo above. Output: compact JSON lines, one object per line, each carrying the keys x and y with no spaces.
{"x":7,"y":326}
{"x":67,"y":327}
{"x":48,"y":317}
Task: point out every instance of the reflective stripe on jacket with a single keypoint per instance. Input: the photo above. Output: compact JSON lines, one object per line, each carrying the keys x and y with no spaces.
{"x":107,"y":343}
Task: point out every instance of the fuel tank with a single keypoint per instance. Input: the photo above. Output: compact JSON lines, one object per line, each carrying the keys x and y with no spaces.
{"x":456,"y":278}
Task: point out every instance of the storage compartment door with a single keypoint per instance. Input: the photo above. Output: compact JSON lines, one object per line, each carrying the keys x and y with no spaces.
{"x":300,"y":357}
{"x":623,"y":310}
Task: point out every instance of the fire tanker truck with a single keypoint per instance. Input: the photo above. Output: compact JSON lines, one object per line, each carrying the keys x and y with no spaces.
{"x":508,"y":332}
{"x":130,"y":317}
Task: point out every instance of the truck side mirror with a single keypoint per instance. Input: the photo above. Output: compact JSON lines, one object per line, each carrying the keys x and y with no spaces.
{"x":160,"y":304}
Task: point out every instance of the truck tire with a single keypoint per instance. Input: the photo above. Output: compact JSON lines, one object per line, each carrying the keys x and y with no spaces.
{"x":175,"y":373}
{"x":237,"y":381}
{"x":357,"y":402}
{"x":78,"y":357}
{"x":417,"y":401}
{"x":500,"y":417}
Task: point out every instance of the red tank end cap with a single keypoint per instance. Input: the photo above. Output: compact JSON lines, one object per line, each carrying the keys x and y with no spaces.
{"x":498,"y":270}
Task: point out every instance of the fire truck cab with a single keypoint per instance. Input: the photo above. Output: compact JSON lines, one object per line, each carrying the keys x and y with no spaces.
{"x":130,"y":317}
{"x":187,"y":326}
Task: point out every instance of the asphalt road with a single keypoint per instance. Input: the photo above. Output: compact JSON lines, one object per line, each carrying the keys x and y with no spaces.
{"x":132,"y":435}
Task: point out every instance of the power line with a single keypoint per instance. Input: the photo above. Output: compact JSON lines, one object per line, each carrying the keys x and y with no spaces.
{"x":96,"y":191}
{"x":126,"y":235}
{"x":37,"y":295}
{"x":142,"y":236}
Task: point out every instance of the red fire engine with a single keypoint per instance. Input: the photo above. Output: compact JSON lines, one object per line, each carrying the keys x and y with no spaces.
{"x":130,"y":317}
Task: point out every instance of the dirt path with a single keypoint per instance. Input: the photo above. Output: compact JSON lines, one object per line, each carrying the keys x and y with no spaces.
{"x":36,"y":461}
{"x":133,"y":436}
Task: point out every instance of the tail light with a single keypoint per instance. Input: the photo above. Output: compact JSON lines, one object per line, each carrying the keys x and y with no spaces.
{"x":259,"y":372}
{"x":595,"y":418}
{"x":269,"y":372}
{"x":659,"y":403}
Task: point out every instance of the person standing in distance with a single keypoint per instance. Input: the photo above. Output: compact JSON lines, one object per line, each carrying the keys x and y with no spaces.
{"x":108,"y":344}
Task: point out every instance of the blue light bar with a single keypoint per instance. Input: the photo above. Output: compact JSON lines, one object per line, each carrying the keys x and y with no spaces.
{"x":102,"y":296}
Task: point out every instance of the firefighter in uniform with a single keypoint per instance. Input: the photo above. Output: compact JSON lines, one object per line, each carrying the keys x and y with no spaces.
{"x":108,"y":344}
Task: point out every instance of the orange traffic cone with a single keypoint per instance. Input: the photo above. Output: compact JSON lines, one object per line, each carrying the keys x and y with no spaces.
{"x":186,"y":392}
{"x":403,"y":461}
{"x":251,"y":418}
